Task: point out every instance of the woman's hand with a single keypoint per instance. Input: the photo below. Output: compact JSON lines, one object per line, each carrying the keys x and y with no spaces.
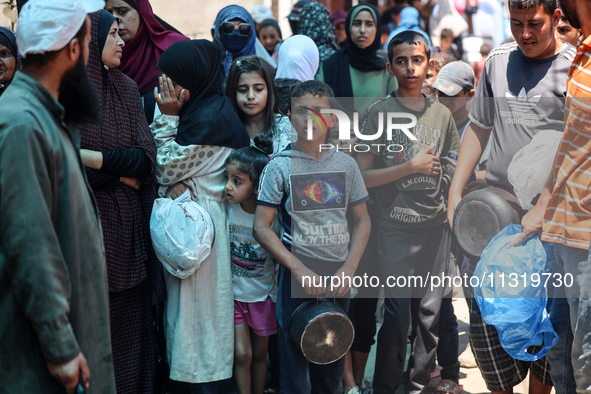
{"x":167,"y":101}
{"x":176,"y":190}
{"x":131,"y":182}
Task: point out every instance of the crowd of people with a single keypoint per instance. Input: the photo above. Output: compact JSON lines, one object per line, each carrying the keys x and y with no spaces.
{"x":105,"y":107}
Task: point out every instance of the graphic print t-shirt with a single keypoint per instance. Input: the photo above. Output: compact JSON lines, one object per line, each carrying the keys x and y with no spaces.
{"x":312,"y":197}
{"x":252,"y":267}
{"x":416,"y":200}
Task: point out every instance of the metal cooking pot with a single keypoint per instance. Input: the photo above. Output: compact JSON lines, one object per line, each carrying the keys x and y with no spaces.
{"x":448,"y":169}
{"x":481,"y":215}
{"x":321,"y":330}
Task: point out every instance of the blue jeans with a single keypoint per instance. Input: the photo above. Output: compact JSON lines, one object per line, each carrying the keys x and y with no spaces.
{"x":294,"y":367}
{"x":577,"y":262}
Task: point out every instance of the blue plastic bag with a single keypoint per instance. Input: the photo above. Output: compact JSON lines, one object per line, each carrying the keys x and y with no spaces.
{"x":508,"y":298}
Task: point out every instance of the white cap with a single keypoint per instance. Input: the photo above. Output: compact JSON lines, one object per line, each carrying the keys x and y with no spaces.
{"x":261,"y":12}
{"x":49,"y":25}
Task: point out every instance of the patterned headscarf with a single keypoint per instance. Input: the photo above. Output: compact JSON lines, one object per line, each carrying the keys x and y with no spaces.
{"x":8,"y":38}
{"x":316,"y":23}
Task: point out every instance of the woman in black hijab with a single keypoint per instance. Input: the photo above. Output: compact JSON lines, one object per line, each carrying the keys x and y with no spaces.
{"x":356,"y":70}
{"x":10,"y":59}
{"x":194,"y":136}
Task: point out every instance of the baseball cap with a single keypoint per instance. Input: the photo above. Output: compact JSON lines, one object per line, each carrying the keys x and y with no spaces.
{"x":295,"y":11}
{"x":261,"y":12}
{"x":49,"y":25}
{"x":454,"y":77}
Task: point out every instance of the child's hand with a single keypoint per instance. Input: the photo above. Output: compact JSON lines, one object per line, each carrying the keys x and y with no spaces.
{"x":425,"y":162}
{"x":167,"y":101}
{"x":344,"y":284}
{"x":311,"y":278}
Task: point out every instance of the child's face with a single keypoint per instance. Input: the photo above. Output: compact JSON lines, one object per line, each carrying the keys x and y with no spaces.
{"x":239,"y":188}
{"x":251,"y":94}
{"x":431,"y":76}
{"x":446,"y":43}
{"x":455,"y":103}
{"x":565,"y":32}
{"x":344,"y":145}
{"x":305,"y":112}
{"x":410,"y":65}
{"x":269,"y":37}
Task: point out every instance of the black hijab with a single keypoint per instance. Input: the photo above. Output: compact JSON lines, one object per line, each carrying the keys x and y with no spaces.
{"x":208,"y":118}
{"x":8,"y":38}
{"x":336,"y":67}
{"x":270,"y":22}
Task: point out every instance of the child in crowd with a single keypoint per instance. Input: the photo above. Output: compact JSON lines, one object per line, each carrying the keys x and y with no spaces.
{"x":455,"y":88}
{"x":440,"y":59}
{"x":479,"y":65}
{"x":251,"y":89}
{"x":565,"y":32}
{"x":252,"y":268}
{"x":448,"y":48}
{"x":413,"y":236}
{"x":311,"y":187}
{"x":269,"y":35}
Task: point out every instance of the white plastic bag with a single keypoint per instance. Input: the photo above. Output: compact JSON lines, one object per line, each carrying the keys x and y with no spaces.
{"x":531,"y":165}
{"x":182,"y":234}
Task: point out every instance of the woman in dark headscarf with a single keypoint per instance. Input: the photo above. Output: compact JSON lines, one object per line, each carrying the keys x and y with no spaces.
{"x":240,"y":39}
{"x":356,"y":70}
{"x":145,"y":38}
{"x":195,"y":134}
{"x":316,"y":23}
{"x":10,"y":59}
{"x":120,"y":156}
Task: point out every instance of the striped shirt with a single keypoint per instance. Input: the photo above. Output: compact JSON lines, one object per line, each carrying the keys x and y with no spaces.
{"x":567,"y":221}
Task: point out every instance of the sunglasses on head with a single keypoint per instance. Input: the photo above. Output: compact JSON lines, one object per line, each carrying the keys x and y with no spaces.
{"x":228,"y":28}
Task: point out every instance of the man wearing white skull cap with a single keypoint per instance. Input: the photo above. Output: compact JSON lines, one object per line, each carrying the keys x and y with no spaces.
{"x":53,"y":295}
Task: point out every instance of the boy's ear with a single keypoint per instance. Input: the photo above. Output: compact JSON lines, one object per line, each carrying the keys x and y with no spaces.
{"x":430,"y":65}
{"x":331,"y":121}
{"x":470,"y":93}
{"x":390,"y":69}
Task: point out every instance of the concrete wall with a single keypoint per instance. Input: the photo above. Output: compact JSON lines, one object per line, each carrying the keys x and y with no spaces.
{"x":195,"y":18}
